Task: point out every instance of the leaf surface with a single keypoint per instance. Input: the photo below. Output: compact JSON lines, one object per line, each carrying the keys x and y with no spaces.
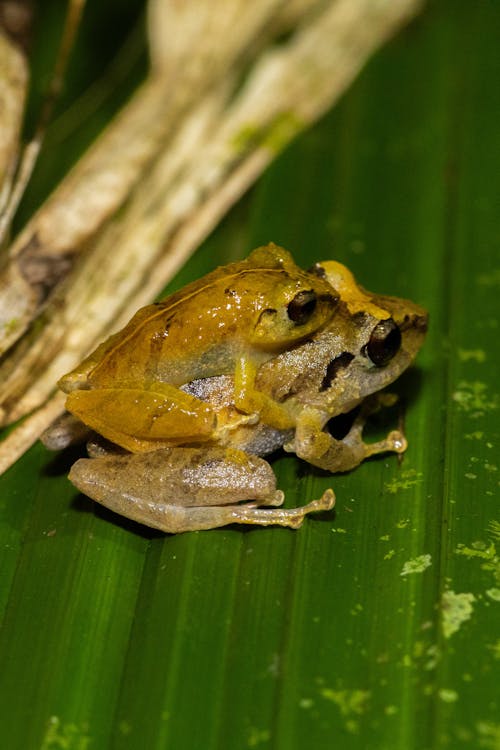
{"x":375,"y":628}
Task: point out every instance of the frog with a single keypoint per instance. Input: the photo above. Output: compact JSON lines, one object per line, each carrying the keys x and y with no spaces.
{"x":349,"y":355}
{"x":344,"y":369}
{"x":228,"y":322}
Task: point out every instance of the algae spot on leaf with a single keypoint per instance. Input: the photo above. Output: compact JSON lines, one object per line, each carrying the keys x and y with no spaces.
{"x":404,"y":481}
{"x":494,"y":648}
{"x":485,"y":552}
{"x":473,"y":398}
{"x":350,"y":703}
{"x":416,"y":565}
{"x":456,"y":609}
{"x":477,"y":549}
{"x":65,"y":736}
{"x":476,"y":355}
{"x":447,"y":695}
{"x":494,"y":529}
{"x":489,"y":734}
{"x":476,"y":435}
{"x":402,"y":523}
{"x":258,"y":737}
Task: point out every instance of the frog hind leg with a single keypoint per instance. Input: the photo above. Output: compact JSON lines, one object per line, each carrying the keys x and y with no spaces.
{"x":180,"y":489}
{"x":140,"y":419}
{"x":313,"y":444}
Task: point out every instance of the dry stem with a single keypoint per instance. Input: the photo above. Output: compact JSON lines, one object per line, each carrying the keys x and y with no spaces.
{"x":219,"y":147}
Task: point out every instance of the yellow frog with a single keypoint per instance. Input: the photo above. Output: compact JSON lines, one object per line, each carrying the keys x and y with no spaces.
{"x":228,"y":322}
{"x":256,"y":387}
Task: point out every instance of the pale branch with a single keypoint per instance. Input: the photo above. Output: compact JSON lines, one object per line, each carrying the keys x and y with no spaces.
{"x":220,"y":147}
{"x":13,"y":85}
{"x":192,"y":62}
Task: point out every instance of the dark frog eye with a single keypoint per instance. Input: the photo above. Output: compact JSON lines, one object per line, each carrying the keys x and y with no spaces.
{"x":384,"y":342}
{"x":302,"y":306}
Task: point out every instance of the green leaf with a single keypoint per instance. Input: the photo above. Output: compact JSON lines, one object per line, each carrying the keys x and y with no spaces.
{"x":376,"y":628}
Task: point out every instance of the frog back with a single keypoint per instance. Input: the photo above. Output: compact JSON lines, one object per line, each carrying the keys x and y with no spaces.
{"x":253,"y":308}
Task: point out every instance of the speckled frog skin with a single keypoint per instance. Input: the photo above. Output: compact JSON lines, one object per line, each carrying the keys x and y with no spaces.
{"x":194,"y":420}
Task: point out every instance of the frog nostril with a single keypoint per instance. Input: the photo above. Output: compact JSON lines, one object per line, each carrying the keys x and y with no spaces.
{"x":339,"y":363}
{"x":302,"y":306}
{"x":384,"y":343}
{"x":318,"y":270}
{"x":421,"y":323}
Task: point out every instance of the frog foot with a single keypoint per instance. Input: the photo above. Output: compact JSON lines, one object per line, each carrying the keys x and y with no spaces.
{"x":291,"y":517}
{"x":313,"y":443}
{"x":394,"y":442}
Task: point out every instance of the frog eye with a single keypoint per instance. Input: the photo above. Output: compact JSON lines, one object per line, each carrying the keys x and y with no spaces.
{"x":384,"y":342}
{"x":302,"y":306}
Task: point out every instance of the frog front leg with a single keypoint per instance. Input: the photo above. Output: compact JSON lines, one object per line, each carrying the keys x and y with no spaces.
{"x":249,"y":399}
{"x":321,"y":449}
{"x":189,"y":489}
